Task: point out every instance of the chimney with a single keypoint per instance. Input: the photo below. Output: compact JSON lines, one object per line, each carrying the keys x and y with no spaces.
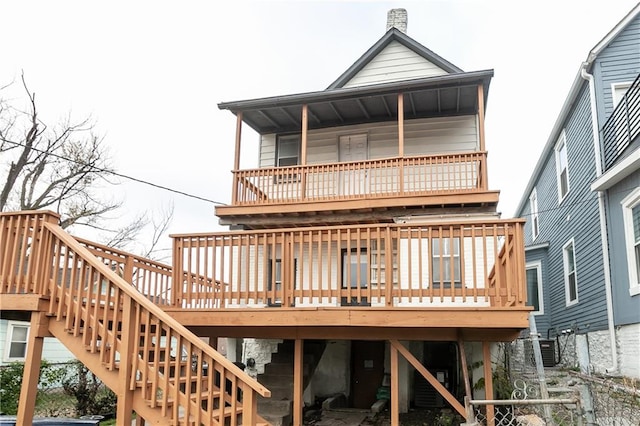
{"x":397,"y":18}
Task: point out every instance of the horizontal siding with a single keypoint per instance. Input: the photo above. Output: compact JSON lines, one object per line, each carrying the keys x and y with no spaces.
{"x":576,"y":217}
{"x":422,"y":136}
{"x":394,"y":63}
{"x":619,"y":62}
{"x":627,"y":307}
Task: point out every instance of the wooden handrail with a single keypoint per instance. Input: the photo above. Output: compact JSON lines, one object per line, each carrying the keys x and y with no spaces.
{"x":400,"y":265}
{"x":171,"y":368}
{"x":393,"y":176}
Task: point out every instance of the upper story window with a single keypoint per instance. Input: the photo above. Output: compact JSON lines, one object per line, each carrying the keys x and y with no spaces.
{"x":631,"y":217}
{"x":445,"y":254}
{"x":533,"y":207}
{"x":562,"y":166}
{"x":288,"y":150}
{"x":534,"y":286}
{"x":618,"y":90}
{"x":570,"y":275}
{"x":17,"y":335}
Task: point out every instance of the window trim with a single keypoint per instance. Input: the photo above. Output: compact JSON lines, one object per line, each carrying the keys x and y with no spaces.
{"x":537,"y":264}
{"x":456,"y":281}
{"x":614,"y":87}
{"x":11,"y":325}
{"x":565,"y":264}
{"x":535,"y":216}
{"x":278,"y":142}
{"x":562,"y":140}
{"x":628,"y":203}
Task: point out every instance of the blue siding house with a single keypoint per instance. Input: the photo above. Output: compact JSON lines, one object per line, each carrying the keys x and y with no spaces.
{"x":582,"y":206}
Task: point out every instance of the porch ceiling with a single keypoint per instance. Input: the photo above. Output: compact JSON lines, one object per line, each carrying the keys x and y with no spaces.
{"x":452,"y":94}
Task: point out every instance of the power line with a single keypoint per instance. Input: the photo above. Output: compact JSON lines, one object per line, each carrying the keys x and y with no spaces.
{"x":102,"y":170}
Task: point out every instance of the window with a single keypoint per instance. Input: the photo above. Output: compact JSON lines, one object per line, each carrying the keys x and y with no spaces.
{"x":533,"y":207}
{"x":274,"y":271}
{"x":534,"y":286}
{"x":618,"y":90}
{"x":562,"y":166}
{"x":17,"y":335}
{"x":631,"y":218}
{"x":288,"y":150}
{"x":445,"y":255}
{"x":570,"y":277}
{"x":355,"y":264}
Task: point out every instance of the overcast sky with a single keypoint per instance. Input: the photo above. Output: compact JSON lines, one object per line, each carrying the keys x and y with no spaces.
{"x":152,"y":74}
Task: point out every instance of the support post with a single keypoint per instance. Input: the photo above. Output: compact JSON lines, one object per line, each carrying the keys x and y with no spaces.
{"x":303,"y":150}
{"x":297,"y":383}
{"x":488,"y":382}
{"x":467,"y":383}
{"x":401,"y":140}
{"x":124,"y":408}
{"x":484,"y":174}
{"x":236,"y":159}
{"x":31,"y":374}
{"x":395,"y":387}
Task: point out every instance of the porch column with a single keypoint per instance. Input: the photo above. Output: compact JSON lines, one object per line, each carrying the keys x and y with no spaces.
{"x":484,"y":174}
{"x":27,"y":402}
{"x":303,"y":149}
{"x":395,"y":386}
{"x":488,"y":382}
{"x":297,"y":382}
{"x":124,"y":408}
{"x":236,"y":159}
{"x":401,"y":139}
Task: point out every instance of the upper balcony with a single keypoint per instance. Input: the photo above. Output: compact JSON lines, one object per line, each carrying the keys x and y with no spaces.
{"x":622,"y":128}
{"x":363,"y":154}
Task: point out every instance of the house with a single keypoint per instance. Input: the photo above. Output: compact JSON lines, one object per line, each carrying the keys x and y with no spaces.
{"x":14,"y":334}
{"x":580,"y":204}
{"x":365,"y":261}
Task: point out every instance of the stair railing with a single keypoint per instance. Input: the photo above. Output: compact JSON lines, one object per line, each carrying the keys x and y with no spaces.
{"x":161,"y":363}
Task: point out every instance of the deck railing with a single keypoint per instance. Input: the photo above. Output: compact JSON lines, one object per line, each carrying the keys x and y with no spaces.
{"x":400,"y":176}
{"x":623,"y":126}
{"x":172,"y":369}
{"x":455,"y":264}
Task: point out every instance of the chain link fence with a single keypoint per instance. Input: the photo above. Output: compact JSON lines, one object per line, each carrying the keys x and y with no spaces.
{"x":559,"y":396}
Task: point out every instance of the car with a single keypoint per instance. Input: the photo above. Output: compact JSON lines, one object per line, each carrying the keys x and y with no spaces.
{"x":50,"y":421}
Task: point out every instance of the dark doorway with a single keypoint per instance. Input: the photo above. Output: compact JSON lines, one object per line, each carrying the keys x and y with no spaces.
{"x":442,"y":360}
{"x":367,"y":371}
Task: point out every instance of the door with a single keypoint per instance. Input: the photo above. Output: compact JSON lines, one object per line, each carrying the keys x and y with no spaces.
{"x":353,"y":179}
{"x":367,"y":371}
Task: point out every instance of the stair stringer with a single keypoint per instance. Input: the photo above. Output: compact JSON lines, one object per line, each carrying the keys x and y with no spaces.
{"x":108,"y":377}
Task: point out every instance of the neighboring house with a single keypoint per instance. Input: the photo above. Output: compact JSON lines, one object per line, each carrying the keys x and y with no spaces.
{"x":582,"y":207}
{"x":13,"y":344}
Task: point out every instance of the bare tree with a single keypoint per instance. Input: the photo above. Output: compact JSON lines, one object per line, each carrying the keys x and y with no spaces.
{"x":63,"y":168}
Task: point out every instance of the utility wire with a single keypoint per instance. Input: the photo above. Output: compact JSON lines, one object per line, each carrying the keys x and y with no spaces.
{"x":102,"y":170}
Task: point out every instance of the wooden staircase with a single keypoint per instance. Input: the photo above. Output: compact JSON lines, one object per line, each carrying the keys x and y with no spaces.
{"x":96,"y":303}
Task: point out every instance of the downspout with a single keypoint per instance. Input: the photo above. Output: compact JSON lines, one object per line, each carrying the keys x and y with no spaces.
{"x":603,"y":221}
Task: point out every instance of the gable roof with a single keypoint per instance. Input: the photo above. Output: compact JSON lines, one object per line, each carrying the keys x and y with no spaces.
{"x":571,"y":98}
{"x":392,"y":35}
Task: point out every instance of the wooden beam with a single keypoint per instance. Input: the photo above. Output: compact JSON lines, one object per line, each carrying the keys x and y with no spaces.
{"x":488,"y":382}
{"x":400,"y":125}
{"x":297,"y":382}
{"x":124,"y":407}
{"x":427,"y":375}
{"x":467,"y":383}
{"x":31,"y":374}
{"x":236,"y":159}
{"x":395,"y":387}
{"x":19,"y":302}
{"x":303,"y":142}
{"x":484,"y":173}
